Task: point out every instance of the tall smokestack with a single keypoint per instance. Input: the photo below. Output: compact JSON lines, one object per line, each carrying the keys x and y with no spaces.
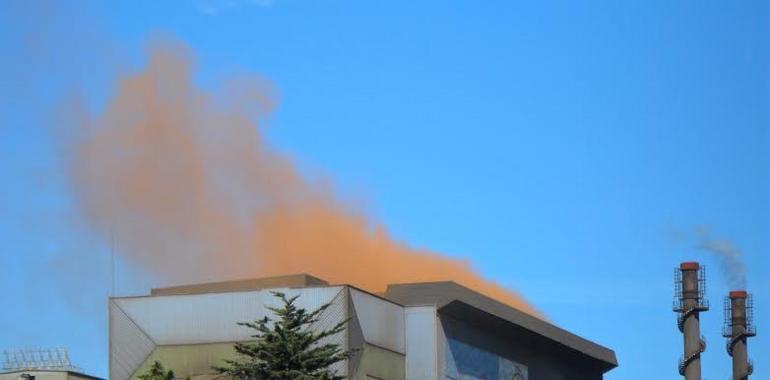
{"x":739,"y":326}
{"x":689,"y":301}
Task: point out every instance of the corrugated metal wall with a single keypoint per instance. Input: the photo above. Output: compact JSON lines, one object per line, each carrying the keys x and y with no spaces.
{"x":208,"y":318}
{"x":138,"y":324}
{"x":336,"y":313}
{"x":444,"y":359}
{"x":129,"y":345}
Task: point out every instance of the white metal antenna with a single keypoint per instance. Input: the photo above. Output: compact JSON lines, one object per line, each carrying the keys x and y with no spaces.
{"x":112,"y":264}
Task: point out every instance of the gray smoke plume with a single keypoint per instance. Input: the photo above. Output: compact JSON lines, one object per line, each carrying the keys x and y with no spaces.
{"x":729,"y":256}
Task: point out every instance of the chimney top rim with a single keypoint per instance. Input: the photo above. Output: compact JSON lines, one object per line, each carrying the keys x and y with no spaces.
{"x":738,"y":294}
{"x":689,"y":265}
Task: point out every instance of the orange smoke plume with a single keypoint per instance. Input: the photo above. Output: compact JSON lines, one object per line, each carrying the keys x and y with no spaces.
{"x":183,"y":180}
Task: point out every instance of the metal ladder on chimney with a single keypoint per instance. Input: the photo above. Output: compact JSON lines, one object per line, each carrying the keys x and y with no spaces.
{"x":684,"y":362}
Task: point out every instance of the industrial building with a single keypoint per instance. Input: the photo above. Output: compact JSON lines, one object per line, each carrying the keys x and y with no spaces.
{"x":420,"y":331}
{"x":40,"y":364}
{"x":46,"y":374}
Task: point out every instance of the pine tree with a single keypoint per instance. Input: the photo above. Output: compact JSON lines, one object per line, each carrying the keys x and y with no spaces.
{"x":285,"y":348}
{"x":157,"y":372}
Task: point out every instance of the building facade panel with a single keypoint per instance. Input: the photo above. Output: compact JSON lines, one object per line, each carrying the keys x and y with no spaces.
{"x":421,"y":343}
{"x":382,"y":322}
{"x":39,"y":375}
{"x":129,"y":344}
{"x":189,"y":360}
{"x":435,"y":331}
{"x":332,"y":316}
{"x":208,"y":318}
{"x":379,"y":363}
{"x":46,"y":375}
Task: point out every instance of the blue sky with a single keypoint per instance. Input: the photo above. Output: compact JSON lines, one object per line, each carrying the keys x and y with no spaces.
{"x":567,"y":150}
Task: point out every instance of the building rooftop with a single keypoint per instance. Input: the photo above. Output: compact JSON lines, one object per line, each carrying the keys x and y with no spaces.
{"x":456,"y":300}
{"x":301,"y":280}
{"x":449,"y":298}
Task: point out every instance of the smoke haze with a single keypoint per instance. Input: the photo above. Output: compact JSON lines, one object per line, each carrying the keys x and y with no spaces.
{"x":730,"y":258}
{"x":184,"y":181}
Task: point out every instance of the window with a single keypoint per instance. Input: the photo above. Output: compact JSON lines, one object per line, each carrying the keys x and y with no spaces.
{"x":466,"y":362}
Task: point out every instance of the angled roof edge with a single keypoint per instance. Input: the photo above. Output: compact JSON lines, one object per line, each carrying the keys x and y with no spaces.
{"x":443,"y":293}
{"x":299,"y":280}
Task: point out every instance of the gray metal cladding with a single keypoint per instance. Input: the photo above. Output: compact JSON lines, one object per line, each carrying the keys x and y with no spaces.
{"x":333,"y":315}
{"x":382,"y":322}
{"x":129,"y":345}
{"x":449,"y":295}
{"x":443,"y":357}
{"x":421,"y":343}
{"x":210,"y":318}
{"x":380,"y":363}
{"x":355,"y":339}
